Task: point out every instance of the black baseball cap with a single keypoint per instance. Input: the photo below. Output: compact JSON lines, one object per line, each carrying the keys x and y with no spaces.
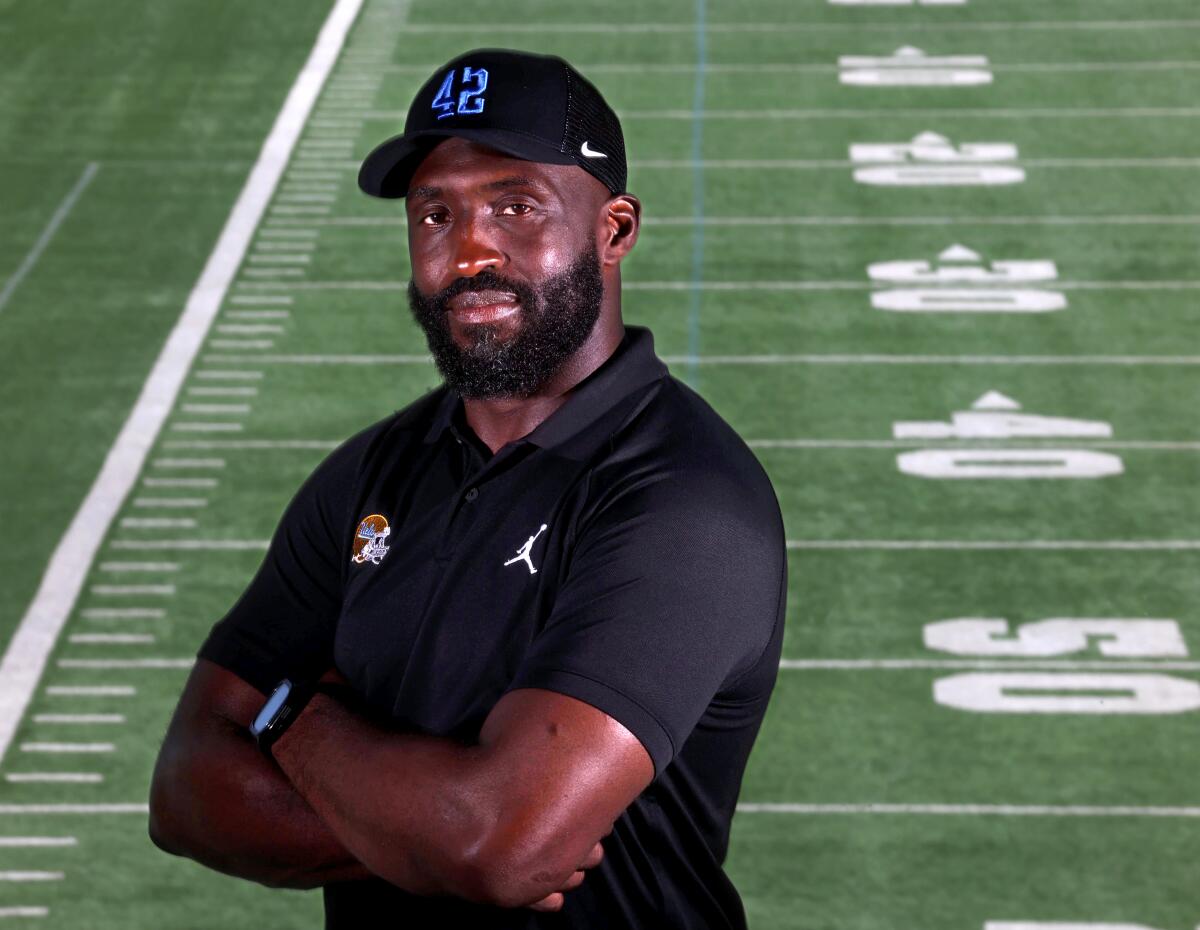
{"x":535,"y":107}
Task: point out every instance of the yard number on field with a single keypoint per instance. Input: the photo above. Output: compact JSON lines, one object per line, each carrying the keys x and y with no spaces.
{"x":1054,"y":692}
{"x":994,"y":416}
{"x":930,"y":159}
{"x":911,"y":67}
{"x":959,"y":282}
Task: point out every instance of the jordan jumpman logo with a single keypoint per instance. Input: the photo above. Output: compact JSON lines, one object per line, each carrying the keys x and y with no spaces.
{"x":523,"y":553}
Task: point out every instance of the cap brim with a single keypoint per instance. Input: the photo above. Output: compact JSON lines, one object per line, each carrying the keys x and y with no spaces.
{"x":387,"y":171}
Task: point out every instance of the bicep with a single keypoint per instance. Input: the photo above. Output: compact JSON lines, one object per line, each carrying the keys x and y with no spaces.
{"x":562,"y":772}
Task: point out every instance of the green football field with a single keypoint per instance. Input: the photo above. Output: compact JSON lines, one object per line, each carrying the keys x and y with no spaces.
{"x":935,"y":261}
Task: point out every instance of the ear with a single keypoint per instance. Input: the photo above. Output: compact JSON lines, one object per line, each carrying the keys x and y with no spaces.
{"x":621,"y":219}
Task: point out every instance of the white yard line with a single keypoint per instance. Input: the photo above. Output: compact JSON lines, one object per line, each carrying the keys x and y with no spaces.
{"x":641,"y":67}
{"x":818,"y":113}
{"x":24,"y":911}
{"x":41,"y":624}
{"x":865,"y":113}
{"x":829,"y":359}
{"x":766,"y":222}
{"x":609,"y":28}
{"x":191,"y":544}
{"x":14,"y":876}
{"x":725,"y":285}
{"x":971,"y":810}
{"x":56,"y":220}
{"x":1131,"y":444}
{"x":805,"y":164}
{"x":1015,"y":545}
{"x":856,"y":665}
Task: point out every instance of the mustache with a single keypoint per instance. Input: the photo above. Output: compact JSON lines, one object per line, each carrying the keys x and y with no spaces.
{"x":486,"y":280}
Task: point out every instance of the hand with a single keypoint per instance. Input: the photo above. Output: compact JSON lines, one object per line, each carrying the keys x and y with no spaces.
{"x":554,"y":901}
{"x":334,"y":676}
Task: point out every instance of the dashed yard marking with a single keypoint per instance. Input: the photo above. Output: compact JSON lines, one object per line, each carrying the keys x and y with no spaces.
{"x":39,"y":628}
{"x":123,"y":613}
{"x":67,"y":747}
{"x":91,"y":690}
{"x":132,"y":590}
{"x":37,"y":841}
{"x":54,"y":778}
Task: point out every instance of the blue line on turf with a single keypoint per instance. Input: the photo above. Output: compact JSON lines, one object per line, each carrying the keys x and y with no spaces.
{"x":693,"y":373}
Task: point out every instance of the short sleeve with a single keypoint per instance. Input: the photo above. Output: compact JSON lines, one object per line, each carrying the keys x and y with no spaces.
{"x":284,"y":624}
{"x":673,"y":592}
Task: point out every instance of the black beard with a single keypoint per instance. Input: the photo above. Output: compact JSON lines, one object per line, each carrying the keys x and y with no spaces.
{"x":557,"y":319}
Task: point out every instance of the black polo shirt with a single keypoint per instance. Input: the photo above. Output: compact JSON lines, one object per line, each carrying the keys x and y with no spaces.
{"x":629,"y":552}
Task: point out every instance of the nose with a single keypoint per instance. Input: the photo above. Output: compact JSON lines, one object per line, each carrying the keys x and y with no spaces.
{"x":475,"y":249}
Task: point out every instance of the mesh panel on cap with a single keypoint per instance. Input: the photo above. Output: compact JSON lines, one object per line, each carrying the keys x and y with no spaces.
{"x":590,"y":120}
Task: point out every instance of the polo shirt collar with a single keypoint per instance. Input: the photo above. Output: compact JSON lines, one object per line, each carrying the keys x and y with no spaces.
{"x":630,"y":368}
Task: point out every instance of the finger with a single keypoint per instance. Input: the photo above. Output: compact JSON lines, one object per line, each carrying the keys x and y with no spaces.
{"x":574,"y":881}
{"x":552,"y":902}
{"x":593,"y":857}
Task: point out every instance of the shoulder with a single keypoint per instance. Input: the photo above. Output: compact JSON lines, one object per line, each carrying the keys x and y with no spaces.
{"x":677,"y":443}
{"x":676,"y":459}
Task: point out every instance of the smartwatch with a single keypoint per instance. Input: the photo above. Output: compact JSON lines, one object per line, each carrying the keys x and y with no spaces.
{"x":282,"y":708}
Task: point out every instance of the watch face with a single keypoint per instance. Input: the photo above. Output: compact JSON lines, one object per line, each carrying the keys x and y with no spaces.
{"x":271,"y":708}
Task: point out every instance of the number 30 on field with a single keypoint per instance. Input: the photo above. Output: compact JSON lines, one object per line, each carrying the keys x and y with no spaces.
{"x":1055,"y":692}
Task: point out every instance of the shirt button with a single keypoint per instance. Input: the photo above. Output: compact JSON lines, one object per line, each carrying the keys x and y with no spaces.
{"x":472,"y":494}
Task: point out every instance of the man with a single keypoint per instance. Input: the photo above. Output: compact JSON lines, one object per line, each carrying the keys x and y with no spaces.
{"x":542,"y":606}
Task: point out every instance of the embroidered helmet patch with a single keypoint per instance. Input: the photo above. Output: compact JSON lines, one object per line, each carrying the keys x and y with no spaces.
{"x":370,"y":540}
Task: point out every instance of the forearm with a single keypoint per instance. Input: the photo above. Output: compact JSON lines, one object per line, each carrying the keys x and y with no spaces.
{"x":229,"y":808}
{"x":405,"y":805}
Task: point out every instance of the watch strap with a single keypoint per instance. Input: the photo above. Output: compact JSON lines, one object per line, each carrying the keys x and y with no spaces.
{"x":298,"y":697}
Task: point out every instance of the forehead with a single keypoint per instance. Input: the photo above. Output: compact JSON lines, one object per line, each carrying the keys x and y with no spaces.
{"x":461,"y":166}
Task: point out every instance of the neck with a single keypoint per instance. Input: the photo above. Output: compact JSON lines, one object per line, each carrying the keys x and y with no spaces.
{"x":501,"y":420}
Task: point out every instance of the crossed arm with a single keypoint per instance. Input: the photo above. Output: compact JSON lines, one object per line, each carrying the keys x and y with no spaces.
{"x":509,"y":821}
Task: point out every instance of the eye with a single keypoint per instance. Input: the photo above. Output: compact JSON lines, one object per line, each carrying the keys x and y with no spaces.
{"x":434,"y":217}
{"x":517,"y":208}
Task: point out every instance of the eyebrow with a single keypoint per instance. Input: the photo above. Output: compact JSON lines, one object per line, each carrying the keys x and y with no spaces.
{"x":423,"y":192}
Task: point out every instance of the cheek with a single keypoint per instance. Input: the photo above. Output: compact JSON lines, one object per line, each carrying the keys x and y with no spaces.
{"x":550,"y":251}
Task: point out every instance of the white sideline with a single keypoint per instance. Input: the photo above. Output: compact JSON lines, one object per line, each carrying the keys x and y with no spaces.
{"x":25,"y":658}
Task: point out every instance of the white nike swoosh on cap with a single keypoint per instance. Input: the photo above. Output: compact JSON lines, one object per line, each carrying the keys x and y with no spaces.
{"x":589,"y":152}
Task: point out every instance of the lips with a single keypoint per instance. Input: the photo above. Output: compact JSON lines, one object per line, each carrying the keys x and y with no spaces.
{"x":483,"y":306}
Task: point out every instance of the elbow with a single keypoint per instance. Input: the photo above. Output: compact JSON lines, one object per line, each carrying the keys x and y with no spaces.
{"x":506,"y":871}
{"x":164,"y":822}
